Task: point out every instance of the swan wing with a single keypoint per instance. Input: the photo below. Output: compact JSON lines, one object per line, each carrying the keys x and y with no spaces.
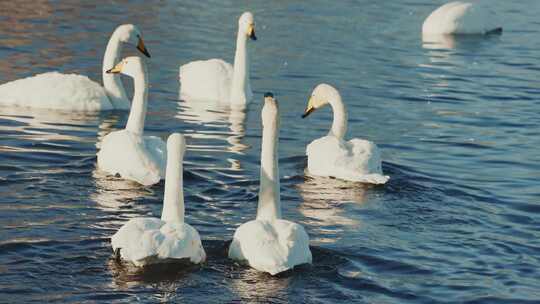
{"x":357,"y":160}
{"x":126,"y":154}
{"x":138,"y":239}
{"x":181,"y":241}
{"x":206,"y":80}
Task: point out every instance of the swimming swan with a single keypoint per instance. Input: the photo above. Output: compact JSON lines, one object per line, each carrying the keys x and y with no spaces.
{"x":217,"y":80}
{"x":269,"y":243}
{"x":127,"y":152}
{"x":356,"y":160}
{"x":147,"y":240}
{"x":461,"y":17}
{"x":72,"y":92}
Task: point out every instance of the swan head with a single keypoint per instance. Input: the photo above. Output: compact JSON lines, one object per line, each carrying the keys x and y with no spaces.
{"x":246,"y":24}
{"x":130,"y":34}
{"x":176,"y":145}
{"x":270,"y":110}
{"x":130,"y":66}
{"x":321,"y":96}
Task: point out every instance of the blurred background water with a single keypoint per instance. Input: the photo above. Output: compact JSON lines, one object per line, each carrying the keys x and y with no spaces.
{"x":457,"y":121}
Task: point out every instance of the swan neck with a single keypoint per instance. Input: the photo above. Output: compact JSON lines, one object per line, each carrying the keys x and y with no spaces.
{"x":269,"y":207}
{"x":137,"y":114}
{"x":173,"y":203}
{"x":339,"y":123}
{"x":112,"y":82}
{"x":240,"y":71}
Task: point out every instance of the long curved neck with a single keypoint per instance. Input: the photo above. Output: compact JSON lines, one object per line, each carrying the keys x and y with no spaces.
{"x":137,"y":114}
{"x":241,"y":71}
{"x":339,"y":124}
{"x":269,"y":207}
{"x":173,"y":203}
{"x":111,"y":82}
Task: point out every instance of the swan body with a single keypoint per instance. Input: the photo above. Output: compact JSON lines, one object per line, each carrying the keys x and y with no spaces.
{"x":55,"y":91}
{"x":146,"y":240}
{"x":461,"y":17}
{"x":72,"y":92}
{"x":217,"y":80}
{"x":357,"y":160}
{"x":270,"y":243}
{"x":128,"y":152}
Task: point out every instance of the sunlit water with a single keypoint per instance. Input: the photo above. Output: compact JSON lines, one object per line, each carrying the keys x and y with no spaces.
{"x":457,"y":121}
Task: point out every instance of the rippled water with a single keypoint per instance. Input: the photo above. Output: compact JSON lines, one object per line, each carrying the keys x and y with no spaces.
{"x":457,"y":121}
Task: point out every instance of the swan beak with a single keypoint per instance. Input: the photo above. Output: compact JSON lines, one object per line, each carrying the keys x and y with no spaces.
{"x":142,"y":48}
{"x":251,"y":32}
{"x":268,"y":96}
{"x":310,"y":108}
{"x":117,"y":68}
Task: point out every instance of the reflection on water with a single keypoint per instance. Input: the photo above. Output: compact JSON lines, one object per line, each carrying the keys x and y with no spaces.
{"x":167,"y":276}
{"x":211,"y":117}
{"x":237,"y":119}
{"x":45,"y":125}
{"x":430,"y":41}
{"x":322,"y":205}
{"x":252,"y":285}
{"x":113,"y":193}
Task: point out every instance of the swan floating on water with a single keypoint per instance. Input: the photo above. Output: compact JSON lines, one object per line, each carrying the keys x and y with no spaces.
{"x":462,"y":17}
{"x":127,"y":152}
{"x":217,"y":80}
{"x":357,"y":160}
{"x":270,"y":243}
{"x":148,"y":240}
{"x":72,"y":92}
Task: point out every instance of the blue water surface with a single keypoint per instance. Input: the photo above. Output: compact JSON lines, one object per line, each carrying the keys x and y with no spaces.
{"x":457,"y":122}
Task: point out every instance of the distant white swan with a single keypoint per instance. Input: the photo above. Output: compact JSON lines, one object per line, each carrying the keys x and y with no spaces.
{"x":462,"y":17}
{"x":127,"y":152}
{"x":269,"y":243}
{"x":148,"y":240}
{"x":72,"y":92}
{"x":217,"y":80}
{"x":356,"y":160}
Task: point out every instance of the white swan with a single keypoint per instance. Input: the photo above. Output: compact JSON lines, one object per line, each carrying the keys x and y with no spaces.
{"x":356,"y":160}
{"x":269,"y":243}
{"x":72,"y":92}
{"x":461,"y":17}
{"x":217,"y":80}
{"x":127,"y":152}
{"x":148,"y":240}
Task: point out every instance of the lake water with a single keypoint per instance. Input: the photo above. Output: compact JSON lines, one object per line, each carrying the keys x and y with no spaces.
{"x":457,"y":122}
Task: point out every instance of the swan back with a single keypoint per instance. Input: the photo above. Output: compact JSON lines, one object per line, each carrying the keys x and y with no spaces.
{"x":461,"y":17}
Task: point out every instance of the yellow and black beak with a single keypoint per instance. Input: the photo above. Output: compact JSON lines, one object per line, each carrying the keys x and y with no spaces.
{"x":117,"y":68}
{"x":251,"y":32}
{"x":142,"y":48}
{"x":310,"y":108}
